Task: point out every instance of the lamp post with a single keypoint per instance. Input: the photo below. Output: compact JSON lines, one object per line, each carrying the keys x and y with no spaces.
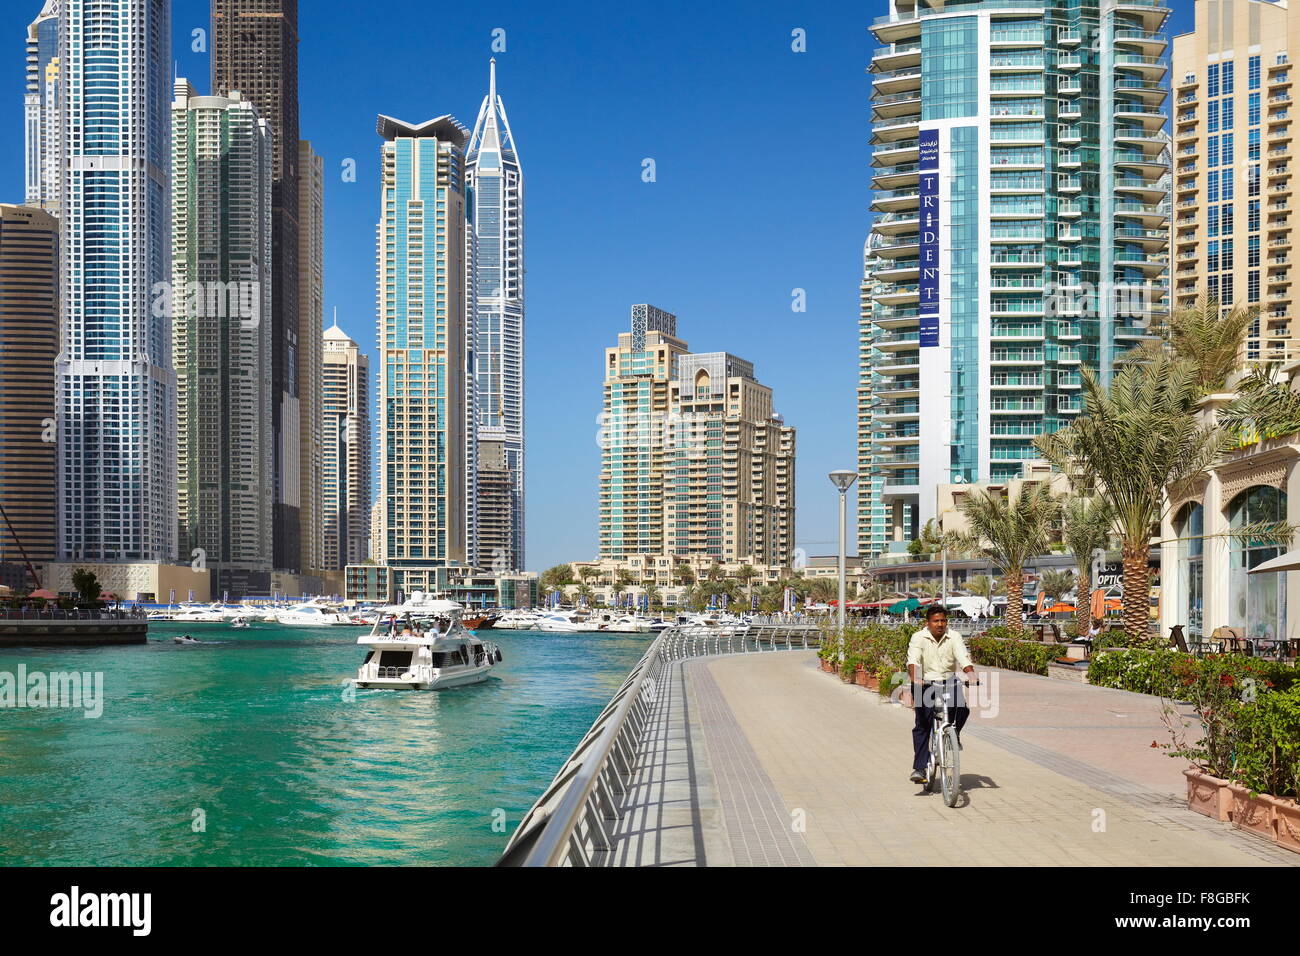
{"x":843,"y":480}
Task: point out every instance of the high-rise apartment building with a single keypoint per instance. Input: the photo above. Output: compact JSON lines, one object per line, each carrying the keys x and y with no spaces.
{"x":1019,"y":176}
{"x":694,"y":459}
{"x":221,"y":336}
{"x":1232,"y":140}
{"x":117,"y":391}
{"x":311,"y":315}
{"x":255,"y":51}
{"x":425,"y":447}
{"x":496,"y":190}
{"x":872,"y":524}
{"x":29,"y":342}
{"x":345,"y":452}
{"x":42,"y":117}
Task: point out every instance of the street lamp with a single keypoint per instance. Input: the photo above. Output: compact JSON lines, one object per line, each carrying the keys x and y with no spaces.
{"x":843,"y":480}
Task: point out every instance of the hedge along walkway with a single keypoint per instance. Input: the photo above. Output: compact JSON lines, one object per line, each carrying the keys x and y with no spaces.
{"x":1036,"y":775}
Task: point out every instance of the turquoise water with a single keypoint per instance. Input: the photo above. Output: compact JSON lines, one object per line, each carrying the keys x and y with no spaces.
{"x":288,"y":765}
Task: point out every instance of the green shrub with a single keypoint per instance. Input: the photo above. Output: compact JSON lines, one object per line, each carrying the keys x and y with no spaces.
{"x":1030,"y":657}
{"x":1265,"y":738}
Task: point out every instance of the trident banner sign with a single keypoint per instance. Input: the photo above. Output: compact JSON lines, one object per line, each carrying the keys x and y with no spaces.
{"x":928,"y":194}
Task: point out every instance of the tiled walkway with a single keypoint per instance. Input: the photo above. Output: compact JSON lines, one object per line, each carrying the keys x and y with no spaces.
{"x":763,"y":759}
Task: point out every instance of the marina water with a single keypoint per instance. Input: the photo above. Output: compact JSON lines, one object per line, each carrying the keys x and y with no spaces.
{"x":257,"y":751}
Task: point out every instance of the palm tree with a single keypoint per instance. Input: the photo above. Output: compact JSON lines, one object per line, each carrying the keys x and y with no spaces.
{"x":981,"y":585}
{"x":1010,"y":532}
{"x":1133,"y":443}
{"x":824,"y":590}
{"x":653,"y":596}
{"x":622,"y":581}
{"x":587,"y":572}
{"x":1057,"y":582}
{"x":1263,"y":408}
{"x":685,"y":575}
{"x":745,"y":574}
{"x":585,"y":593}
{"x":1210,"y":341}
{"x":1086,"y":530}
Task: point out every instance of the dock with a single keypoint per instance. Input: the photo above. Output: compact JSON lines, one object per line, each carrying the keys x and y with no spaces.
{"x":731,"y":747}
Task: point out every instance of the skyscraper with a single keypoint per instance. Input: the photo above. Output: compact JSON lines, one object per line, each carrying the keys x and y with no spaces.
{"x":423,"y":361}
{"x":695,"y":462}
{"x":1232,"y":173}
{"x":117,"y":391}
{"x":311,"y":314}
{"x":345,"y":452}
{"x":496,"y":189}
{"x":255,"y":51}
{"x":221,"y":282}
{"x":29,"y":341}
{"x":43,"y":134}
{"x":1019,"y":173}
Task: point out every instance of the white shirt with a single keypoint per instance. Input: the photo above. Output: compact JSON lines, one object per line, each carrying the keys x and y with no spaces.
{"x":937,"y":660}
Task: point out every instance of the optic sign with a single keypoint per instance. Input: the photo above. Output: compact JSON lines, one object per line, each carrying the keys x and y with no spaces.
{"x":928,"y":287}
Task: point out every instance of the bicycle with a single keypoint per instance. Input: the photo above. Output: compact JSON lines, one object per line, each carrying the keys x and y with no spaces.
{"x":945,"y":752}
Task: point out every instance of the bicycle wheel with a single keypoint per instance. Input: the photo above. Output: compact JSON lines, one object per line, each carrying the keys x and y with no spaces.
{"x":932,"y":770}
{"x":950,"y":772}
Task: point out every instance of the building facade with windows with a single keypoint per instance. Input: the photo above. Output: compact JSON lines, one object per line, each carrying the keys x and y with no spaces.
{"x":345,"y":452}
{"x":695,"y":461}
{"x":1233,"y":143}
{"x":221,"y":337}
{"x":117,"y":389}
{"x":425,"y":432}
{"x":1019,"y":172}
{"x":42,"y":115}
{"x":496,"y":199}
{"x":29,"y":342}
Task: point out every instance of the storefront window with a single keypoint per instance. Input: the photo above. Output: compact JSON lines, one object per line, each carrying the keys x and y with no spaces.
{"x":1191,"y":566}
{"x":1256,"y":601}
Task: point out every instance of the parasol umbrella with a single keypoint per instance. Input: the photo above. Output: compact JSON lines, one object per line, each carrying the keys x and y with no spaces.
{"x":1283,"y":562}
{"x":1060,"y":608}
{"x":1098,"y":604}
{"x":44,"y":594}
{"x":902,"y":607}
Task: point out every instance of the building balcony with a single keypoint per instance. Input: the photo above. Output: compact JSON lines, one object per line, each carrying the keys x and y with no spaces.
{"x":1151,"y":68}
{"x":897,"y":56}
{"x":887,"y":107}
{"x":897,"y":223}
{"x":896,"y":128}
{"x":895,"y":177}
{"x":894,"y":200}
{"x":899,"y":270}
{"x":1150,"y":43}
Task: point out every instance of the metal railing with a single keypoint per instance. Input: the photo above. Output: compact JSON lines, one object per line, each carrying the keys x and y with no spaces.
{"x":76,"y":614}
{"x":575,"y":817}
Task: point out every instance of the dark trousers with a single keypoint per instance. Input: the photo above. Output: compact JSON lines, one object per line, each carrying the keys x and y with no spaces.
{"x":927,"y":704}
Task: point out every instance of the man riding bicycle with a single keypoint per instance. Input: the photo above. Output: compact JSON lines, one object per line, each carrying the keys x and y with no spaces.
{"x":934,"y":656}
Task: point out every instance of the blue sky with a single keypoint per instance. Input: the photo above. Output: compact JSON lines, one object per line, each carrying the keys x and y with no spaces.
{"x":761,"y":157}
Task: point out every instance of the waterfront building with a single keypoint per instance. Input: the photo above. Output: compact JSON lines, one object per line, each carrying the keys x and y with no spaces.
{"x":495,"y":185}
{"x":221,"y":336}
{"x":872,"y":516}
{"x":377,"y":530}
{"x":1019,"y":176}
{"x":311,"y":315}
{"x":255,"y":51}
{"x":29,"y":342}
{"x":425,"y":451}
{"x":665,"y":579}
{"x":117,"y":390}
{"x":42,"y":116}
{"x":694,"y":459}
{"x":345,"y":504}
{"x":1232,"y":136}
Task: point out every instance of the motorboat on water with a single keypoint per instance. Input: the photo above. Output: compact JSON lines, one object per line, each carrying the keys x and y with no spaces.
{"x":516,"y":620}
{"x":431,"y":653}
{"x":185,"y":639}
{"x":616,"y":623}
{"x":311,"y":615}
{"x":562,"y":622}
{"x":199,"y":614}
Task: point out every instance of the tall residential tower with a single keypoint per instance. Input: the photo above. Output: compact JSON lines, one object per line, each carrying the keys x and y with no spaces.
{"x":496,"y":191}
{"x":42,"y":117}
{"x":1019,"y":172}
{"x":345,"y":452}
{"x":1232,"y":166}
{"x":424,"y":417}
{"x":221,"y":336}
{"x":255,"y":51}
{"x":117,"y":391}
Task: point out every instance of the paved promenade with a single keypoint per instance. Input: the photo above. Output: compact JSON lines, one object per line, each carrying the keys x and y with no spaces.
{"x":763,"y":759}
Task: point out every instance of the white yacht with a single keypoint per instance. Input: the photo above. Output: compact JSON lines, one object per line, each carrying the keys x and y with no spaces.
{"x":561,"y":621}
{"x":616,"y":623}
{"x":432,"y":654}
{"x":199,"y":614}
{"x":516,"y":620}
{"x":310,"y":615}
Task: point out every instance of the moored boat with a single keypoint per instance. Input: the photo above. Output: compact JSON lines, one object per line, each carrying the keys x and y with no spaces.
{"x":433,"y":653}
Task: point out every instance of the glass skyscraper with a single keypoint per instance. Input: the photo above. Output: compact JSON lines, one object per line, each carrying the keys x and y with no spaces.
{"x":496,"y":197}
{"x":42,"y":131}
{"x":1019,"y":174}
{"x":117,"y":391}
{"x":425,"y":425}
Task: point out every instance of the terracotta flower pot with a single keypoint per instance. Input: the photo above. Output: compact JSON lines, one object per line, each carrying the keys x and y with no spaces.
{"x":826,"y":666}
{"x":1208,"y":795}
{"x":1251,"y":813}
{"x":1286,"y":819}
{"x":860,"y":678}
{"x":873,"y":683}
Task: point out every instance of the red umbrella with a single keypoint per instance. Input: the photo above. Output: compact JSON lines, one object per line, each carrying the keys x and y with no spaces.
{"x":44,"y":594}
